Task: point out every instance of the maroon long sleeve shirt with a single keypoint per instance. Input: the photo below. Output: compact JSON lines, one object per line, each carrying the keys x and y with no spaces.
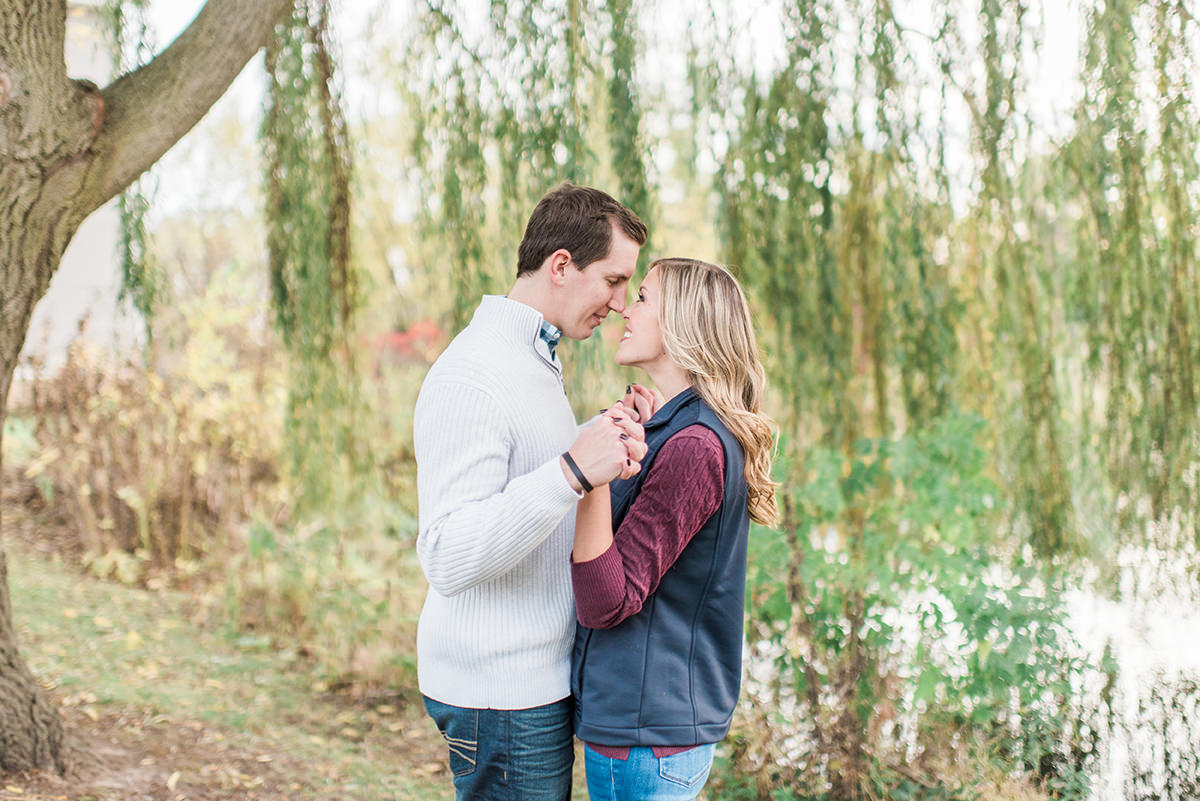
{"x":683,"y":489}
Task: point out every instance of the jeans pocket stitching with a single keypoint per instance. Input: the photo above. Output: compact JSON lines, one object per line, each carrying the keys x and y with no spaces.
{"x":670,"y":769}
{"x":466,"y":751}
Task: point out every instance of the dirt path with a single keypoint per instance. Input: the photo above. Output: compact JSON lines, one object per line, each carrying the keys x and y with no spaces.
{"x":129,"y":756}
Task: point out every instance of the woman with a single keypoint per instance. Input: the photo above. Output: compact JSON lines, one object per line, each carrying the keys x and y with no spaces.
{"x":659,"y":560}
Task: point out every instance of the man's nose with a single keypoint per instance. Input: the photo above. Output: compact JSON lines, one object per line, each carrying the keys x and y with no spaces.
{"x":617,"y":301}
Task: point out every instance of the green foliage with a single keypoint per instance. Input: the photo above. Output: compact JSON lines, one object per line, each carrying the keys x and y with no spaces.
{"x":1007,"y":263}
{"x":181,"y":484}
{"x":902,"y":615}
{"x":781,"y":160}
{"x":501,"y":118}
{"x":895,"y":288}
{"x":726,"y":783}
{"x":625,"y":118}
{"x":344,"y":582}
{"x":141,"y":282}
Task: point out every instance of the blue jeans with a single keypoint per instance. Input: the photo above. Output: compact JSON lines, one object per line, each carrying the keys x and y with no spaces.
{"x":508,"y":755}
{"x":644,"y":777}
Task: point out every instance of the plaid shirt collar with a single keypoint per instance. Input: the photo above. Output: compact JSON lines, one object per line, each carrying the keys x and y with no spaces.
{"x":550,"y":335}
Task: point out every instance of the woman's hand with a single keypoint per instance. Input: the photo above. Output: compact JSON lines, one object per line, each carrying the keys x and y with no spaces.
{"x":641,"y":403}
{"x":632,"y":434}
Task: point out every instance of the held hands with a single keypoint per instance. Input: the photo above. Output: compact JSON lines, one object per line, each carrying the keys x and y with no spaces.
{"x":631,"y":434}
{"x":611,"y":447}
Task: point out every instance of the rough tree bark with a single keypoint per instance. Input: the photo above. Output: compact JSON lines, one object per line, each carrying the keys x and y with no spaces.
{"x":67,"y":147}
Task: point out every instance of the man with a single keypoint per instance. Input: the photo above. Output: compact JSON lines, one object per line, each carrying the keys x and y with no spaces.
{"x":500,"y":466}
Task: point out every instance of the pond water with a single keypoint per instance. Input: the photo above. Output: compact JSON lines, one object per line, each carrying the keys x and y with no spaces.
{"x":1147,"y":724}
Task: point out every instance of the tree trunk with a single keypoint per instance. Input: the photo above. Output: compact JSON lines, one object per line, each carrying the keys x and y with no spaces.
{"x":66,"y":147}
{"x":31,"y":732}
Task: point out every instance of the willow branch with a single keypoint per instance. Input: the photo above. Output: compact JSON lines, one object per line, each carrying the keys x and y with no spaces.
{"x":148,"y":110}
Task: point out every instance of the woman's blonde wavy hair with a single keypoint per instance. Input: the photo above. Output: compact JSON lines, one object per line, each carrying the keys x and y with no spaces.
{"x":706,"y":330}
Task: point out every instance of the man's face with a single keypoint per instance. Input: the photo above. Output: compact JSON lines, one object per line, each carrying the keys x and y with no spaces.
{"x":591,"y":293}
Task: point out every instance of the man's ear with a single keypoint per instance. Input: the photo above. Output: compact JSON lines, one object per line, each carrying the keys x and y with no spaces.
{"x":558,"y":263}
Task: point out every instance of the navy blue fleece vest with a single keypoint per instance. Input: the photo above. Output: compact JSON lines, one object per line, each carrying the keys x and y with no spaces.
{"x":670,"y":675}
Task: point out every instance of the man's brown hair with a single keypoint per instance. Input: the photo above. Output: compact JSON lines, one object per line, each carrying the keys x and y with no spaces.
{"x":578,"y":219}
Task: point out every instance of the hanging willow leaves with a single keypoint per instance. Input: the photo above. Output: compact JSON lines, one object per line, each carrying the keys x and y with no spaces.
{"x":312,"y":279}
{"x":625,"y":119}
{"x":499,"y":113}
{"x":132,"y":45}
{"x":914,"y":311}
{"x":777,"y":221}
{"x":1108,"y":142}
{"x":463,"y":212}
{"x":1007,"y":281}
{"x":590,"y":372}
{"x":1136,"y":286}
{"x":1179,"y":157}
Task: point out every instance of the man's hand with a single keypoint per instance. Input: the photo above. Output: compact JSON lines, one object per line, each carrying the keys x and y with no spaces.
{"x":609,"y":448}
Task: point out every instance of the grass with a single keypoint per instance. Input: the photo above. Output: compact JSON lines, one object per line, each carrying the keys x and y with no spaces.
{"x":110,"y":653}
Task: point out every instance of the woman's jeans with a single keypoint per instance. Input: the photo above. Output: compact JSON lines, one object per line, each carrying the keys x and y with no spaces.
{"x":508,"y":755}
{"x":644,"y":777}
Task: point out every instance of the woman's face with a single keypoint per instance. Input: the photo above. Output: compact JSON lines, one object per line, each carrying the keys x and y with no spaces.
{"x":642,"y":344}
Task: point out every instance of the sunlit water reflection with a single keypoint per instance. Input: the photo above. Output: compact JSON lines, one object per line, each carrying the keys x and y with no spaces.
{"x":1148,"y":728}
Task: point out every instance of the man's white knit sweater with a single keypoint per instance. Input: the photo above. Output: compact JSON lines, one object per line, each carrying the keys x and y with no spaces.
{"x":497,"y":516}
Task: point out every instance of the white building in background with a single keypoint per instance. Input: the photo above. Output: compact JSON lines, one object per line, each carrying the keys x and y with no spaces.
{"x":84,"y":290}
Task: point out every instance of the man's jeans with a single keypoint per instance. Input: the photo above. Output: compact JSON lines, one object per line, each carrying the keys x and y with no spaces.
{"x":644,"y":777}
{"x":508,"y":755}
